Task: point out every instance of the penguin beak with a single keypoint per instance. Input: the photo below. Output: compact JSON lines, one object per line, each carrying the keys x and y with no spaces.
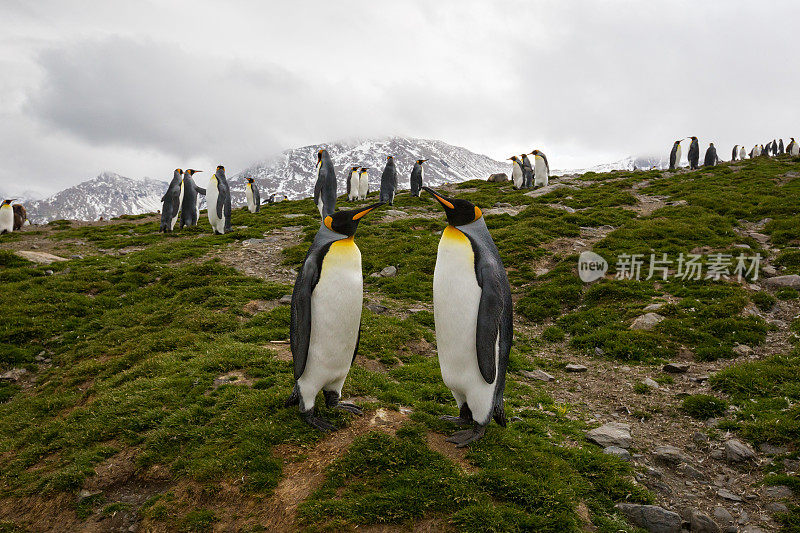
{"x":366,"y":210}
{"x":442,"y":200}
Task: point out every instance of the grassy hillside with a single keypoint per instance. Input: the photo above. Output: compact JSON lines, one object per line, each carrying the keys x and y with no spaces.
{"x":156,"y":367}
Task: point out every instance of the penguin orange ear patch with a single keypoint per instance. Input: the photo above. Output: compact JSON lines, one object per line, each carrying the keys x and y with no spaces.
{"x":478,"y":212}
{"x":328,"y":222}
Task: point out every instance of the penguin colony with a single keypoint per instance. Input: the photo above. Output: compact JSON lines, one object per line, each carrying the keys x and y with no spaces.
{"x":525,"y":174}
{"x":772,"y":148}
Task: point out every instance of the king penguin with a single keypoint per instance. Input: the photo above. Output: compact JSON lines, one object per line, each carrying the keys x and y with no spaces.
{"x":218,"y":198}
{"x":171,"y":202}
{"x":416,"y":177}
{"x":6,"y":217}
{"x":388,"y":182}
{"x":774,"y":148}
{"x":20,"y":216}
{"x":325,"y":188}
{"x":190,"y":208}
{"x":675,"y":155}
{"x":793,"y":149}
{"x":363,"y":183}
{"x":325,"y":322}
{"x":755,"y":152}
{"x":742,"y":153}
{"x":516,"y":171}
{"x":527,"y":172}
{"x":711,"y":158}
{"x":735,"y":152}
{"x":253,"y":196}
{"x":541,"y":169}
{"x":781,"y":149}
{"x":473,"y":315}
{"x":352,"y":184}
{"x":694,"y":153}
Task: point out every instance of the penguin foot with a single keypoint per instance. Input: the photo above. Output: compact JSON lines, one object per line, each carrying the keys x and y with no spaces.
{"x":456,"y":420}
{"x":349,"y":407}
{"x":467,"y":436}
{"x":318,"y":422}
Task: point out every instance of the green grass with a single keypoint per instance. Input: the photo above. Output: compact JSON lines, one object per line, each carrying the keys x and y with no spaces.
{"x":703,"y":406}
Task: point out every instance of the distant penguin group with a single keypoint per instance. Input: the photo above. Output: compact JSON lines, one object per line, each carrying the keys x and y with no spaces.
{"x":527,"y":175}
{"x":773,"y":148}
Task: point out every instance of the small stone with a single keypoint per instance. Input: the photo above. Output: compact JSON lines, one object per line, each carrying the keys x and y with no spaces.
{"x":700,"y":379}
{"x":76,"y":256}
{"x":769,"y":270}
{"x":742,"y":350}
{"x":394,"y":213}
{"x":611,"y":434}
{"x":703,"y":523}
{"x":618,"y":452}
{"x":599,"y":351}
{"x":736,"y":451}
{"x":743,"y":246}
{"x":389,"y":271}
{"x":760,"y":237}
{"x":725,"y":494}
{"x":293,"y":215}
{"x":778,"y":492}
{"x":576,"y":368}
{"x":651,"y":517}
{"x":15,"y":374}
{"x":722,"y":516}
{"x":791,"y":280}
{"x":646,"y":322}
{"x":249,"y":242}
{"x":777,"y":507}
{"x":675,"y":368}
{"x":669,"y":454}
{"x":42,"y":258}
{"x":85,"y":494}
{"x":769,"y":449}
{"x":502,"y":204}
{"x":650,"y":382}
{"x":690,"y":471}
{"x":752,"y":529}
{"x":48,"y":272}
{"x":654,"y":307}
{"x":285,"y":299}
{"x":717,"y":454}
{"x":699,"y":437}
{"x":743,"y":518}
{"x":377,"y":308}
{"x":541,"y":375}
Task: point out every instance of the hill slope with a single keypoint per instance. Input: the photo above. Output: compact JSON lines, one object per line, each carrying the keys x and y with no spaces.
{"x":144,"y":378}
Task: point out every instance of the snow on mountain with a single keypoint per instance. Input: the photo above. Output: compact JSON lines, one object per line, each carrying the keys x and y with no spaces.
{"x":292,"y":172}
{"x":108,"y":195}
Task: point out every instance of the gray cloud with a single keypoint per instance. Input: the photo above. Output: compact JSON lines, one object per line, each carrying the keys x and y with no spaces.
{"x":141,"y":90}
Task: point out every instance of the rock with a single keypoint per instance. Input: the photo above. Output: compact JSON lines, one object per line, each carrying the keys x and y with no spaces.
{"x":650,"y":382}
{"x":611,"y":434}
{"x":498,"y":177}
{"x":777,"y":507}
{"x":548,"y":189}
{"x":791,"y":280}
{"x":751,"y":529}
{"x":248,"y":242}
{"x":618,"y":452}
{"x":669,"y":454}
{"x":388,"y":272}
{"x":769,"y":449}
{"x":42,"y":258}
{"x":769,"y":270}
{"x":654,"y":307}
{"x":651,"y":517}
{"x":778,"y":492}
{"x":541,"y":375}
{"x":760,"y":237}
{"x":15,"y":374}
{"x":285,"y":299}
{"x":576,"y":368}
{"x":76,"y":256}
{"x":743,"y":246}
{"x":394,"y":213}
{"x":599,"y":351}
{"x":647,"y":321}
{"x":703,"y":523}
{"x":743,"y":518}
{"x":675,"y":368}
{"x":293,"y":215}
{"x":717,"y":454}
{"x":502,"y":204}
{"x":725,"y":494}
{"x":377,"y":308}
{"x":742,"y":350}
{"x":700,"y":379}
{"x":48,"y":272}
{"x":722,"y":516}
{"x":85,"y":495}
{"x":699,"y":437}
{"x":692,"y":472}
{"x":736,"y":451}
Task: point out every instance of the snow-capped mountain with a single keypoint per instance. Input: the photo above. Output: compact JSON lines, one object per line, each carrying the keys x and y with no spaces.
{"x":108,"y":195}
{"x":292,"y":171}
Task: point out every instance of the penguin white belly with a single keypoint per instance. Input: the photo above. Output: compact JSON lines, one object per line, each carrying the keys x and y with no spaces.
{"x":516,"y":175}
{"x":6,"y":219}
{"x":363,"y":187}
{"x":177,"y":209}
{"x":251,"y":203}
{"x":795,"y":149}
{"x":456,"y":297}
{"x":335,"y":320}
{"x":212,"y":193}
{"x":678,"y":157}
{"x":540,"y":177}
{"x":742,"y":153}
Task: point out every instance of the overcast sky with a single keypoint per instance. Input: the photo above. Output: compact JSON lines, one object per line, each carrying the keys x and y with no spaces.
{"x":140,"y":88}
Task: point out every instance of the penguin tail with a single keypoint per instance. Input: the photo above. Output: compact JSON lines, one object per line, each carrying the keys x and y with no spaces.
{"x":294,"y":397}
{"x":499,"y":413}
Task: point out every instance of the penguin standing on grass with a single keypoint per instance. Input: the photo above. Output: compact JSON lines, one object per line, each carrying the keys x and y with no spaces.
{"x":326,"y":316}
{"x":675,"y":155}
{"x":742,"y":153}
{"x":20,"y":216}
{"x":6,"y":217}
{"x":325,"y":188}
{"x":774,"y":148}
{"x":711,"y":158}
{"x":253,"y":196}
{"x":473,"y":315}
{"x":516,"y":172}
{"x":416,"y":177}
{"x":694,"y":153}
{"x":352,"y":184}
{"x":781,"y":149}
{"x":363,"y":183}
{"x":218,"y":198}
{"x":735,"y":152}
{"x":190,"y":208}
{"x":527,"y":172}
{"x":793,"y":149}
{"x":541,"y":169}
{"x":171,"y":202}
{"x":388,"y":182}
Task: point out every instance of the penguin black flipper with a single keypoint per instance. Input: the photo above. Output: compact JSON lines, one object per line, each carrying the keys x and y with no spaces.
{"x":256,"y":198}
{"x":300,"y":332}
{"x":358,"y":341}
{"x":546,"y":164}
{"x":200,"y":190}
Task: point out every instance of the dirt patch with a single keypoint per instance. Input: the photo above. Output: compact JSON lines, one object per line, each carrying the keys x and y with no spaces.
{"x":438,"y":443}
{"x":262,"y":258}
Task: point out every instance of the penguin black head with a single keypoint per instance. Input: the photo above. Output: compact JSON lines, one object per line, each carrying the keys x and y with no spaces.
{"x":420,"y":161}
{"x":353,"y":169}
{"x":364,"y":169}
{"x":512,"y":158}
{"x":346,"y":222}
{"x":536,"y":152}
{"x":319,"y":155}
{"x":178,"y":171}
{"x":8,"y":202}
{"x":249,"y":180}
{"x":459,"y":212}
{"x":192,"y":171}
